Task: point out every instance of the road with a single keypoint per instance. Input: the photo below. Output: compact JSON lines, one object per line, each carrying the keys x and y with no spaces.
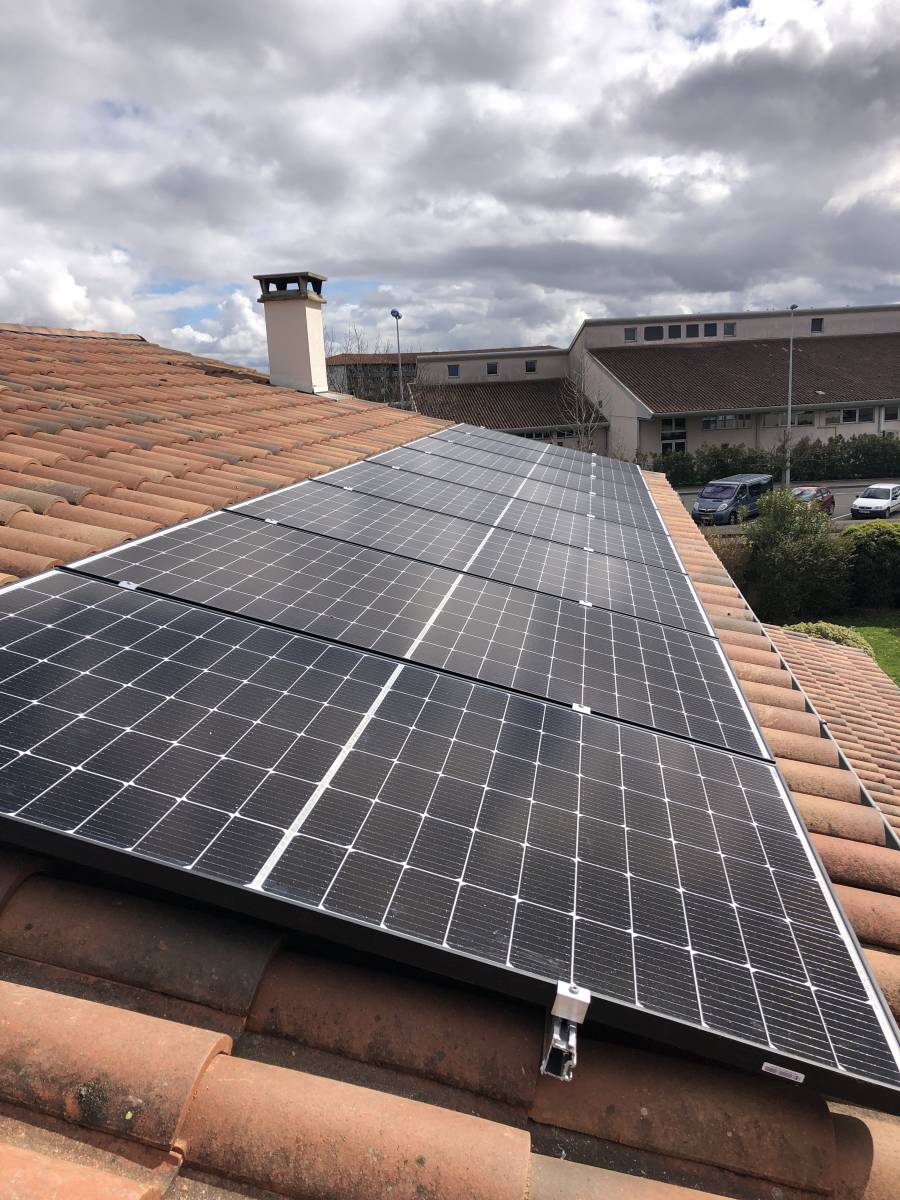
{"x":845,"y":492}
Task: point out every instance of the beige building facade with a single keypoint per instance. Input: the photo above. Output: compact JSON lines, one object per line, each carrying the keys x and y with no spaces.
{"x":682,"y":381}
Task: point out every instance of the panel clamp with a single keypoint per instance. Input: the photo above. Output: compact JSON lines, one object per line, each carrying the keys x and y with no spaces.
{"x":127,"y":585}
{"x":561,"y":1034}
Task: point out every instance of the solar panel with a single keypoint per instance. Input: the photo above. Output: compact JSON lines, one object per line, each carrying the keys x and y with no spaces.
{"x":409,"y":812}
{"x":557,"y":649}
{"x":509,"y":443}
{"x":438,"y":495}
{"x":558,"y":476}
{"x":518,"y":448}
{"x":492,"y":553}
{"x":435,"y":467}
{"x":443,"y":538}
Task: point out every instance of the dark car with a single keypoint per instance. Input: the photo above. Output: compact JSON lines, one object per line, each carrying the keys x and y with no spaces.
{"x":816,"y":497}
{"x":724,"y":501}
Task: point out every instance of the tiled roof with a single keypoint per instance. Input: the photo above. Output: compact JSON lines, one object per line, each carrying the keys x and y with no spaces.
{"x":525,"y":404}
{"x":150,"y":1047}
{"x":861,"y":705}
{"x":344,"y":360}
{"x":738,"y":375}
{"x":108,"y":437}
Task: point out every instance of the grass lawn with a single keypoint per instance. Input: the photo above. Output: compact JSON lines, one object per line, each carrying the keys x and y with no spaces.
{"x":881,"y":629}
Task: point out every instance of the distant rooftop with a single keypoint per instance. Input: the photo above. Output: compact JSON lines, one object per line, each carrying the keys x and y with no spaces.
{"x":736,"y":376}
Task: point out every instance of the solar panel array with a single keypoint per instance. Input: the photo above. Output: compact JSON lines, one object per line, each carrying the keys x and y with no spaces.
{"x":396,"y":711}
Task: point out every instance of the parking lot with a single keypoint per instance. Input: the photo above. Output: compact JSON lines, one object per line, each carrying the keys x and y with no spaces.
{"x":845,"y":492}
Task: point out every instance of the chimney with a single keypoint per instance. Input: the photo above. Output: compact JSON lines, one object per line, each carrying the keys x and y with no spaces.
{"x":293,"y":307}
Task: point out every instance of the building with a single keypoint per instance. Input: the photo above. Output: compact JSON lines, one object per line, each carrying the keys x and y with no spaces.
{"x":676,"y":383}
{"x":659,"y":385}
{"x":370,"y":376}
{"x":155,"y":1047}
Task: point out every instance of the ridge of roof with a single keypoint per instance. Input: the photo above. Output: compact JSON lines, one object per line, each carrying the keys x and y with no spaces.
{"x":53,"y":331}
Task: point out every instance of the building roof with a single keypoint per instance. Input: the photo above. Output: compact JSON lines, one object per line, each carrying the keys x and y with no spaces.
{"x":523,"y":404}
{"x":151,"y":1047}
{"x":865,"y":718}
{"x":106,"y":437}
{"x":741,"y":375}
{"x":349,"y":360}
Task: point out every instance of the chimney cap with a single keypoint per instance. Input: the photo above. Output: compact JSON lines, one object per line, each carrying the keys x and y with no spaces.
{"x":291,"y":285}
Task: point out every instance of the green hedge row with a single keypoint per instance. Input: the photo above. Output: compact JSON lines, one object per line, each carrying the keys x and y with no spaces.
{"x":792,"y":566}
{"x":862,"y":456}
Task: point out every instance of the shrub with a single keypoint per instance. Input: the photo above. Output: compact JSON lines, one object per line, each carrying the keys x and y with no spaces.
{"x":833,"y":633}
{"x":795,"y":566}
{"x":863,"y":456}
{"x":874,"y":555}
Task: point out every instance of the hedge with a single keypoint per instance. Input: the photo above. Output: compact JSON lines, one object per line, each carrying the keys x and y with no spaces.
{"x":863,"y":456}
{"x":841,"y":634}
{"x":874,"y":564}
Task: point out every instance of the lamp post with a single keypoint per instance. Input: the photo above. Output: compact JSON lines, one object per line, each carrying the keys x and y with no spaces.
{"x":787,"y":444}
{"x":398,"y":316}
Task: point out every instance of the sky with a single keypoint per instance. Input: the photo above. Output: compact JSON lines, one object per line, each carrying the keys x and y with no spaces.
{"x":499,"y":171}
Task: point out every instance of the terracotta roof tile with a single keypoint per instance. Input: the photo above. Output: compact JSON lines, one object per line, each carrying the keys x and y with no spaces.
{"x":139,"y":433}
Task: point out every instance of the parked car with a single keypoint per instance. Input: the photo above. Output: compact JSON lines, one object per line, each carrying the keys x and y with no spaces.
{"x":878,"y":500}
{"x":721,"y":501}
{"x":816,"y":497}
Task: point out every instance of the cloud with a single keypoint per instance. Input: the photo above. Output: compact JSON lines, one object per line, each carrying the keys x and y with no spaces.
{"x":496,"y":168}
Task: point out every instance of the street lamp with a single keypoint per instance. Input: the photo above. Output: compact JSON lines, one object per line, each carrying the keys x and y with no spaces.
{"x":398,"y":316}
{"x":787,"y":444}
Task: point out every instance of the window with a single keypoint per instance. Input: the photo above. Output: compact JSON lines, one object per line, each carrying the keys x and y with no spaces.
{"x":631,"y":334}
{"x":692,"y":331}
{"x":653,"y":333}
{"x":773,"y":420}
{"x":674,"y":331}
{"x":892,"y":412}
{"x":728,"y":421}
{"x":453,"y":370}
{"x":849,"y":416}
{"x":817,"y":325}
{"x":730,"y":328}
{"x":710,"y":329}
{"x":530,"y":365}
{"x":491,"y":368}
{"x":674,"y":435}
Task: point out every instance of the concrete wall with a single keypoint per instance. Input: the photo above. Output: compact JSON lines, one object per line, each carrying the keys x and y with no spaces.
{"x":748,"y":326}
{"x":618,"y":406}
{"x":510,"y":368}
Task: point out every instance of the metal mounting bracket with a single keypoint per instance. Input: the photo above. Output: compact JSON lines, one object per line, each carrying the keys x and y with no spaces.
{"x":561,"y":1035}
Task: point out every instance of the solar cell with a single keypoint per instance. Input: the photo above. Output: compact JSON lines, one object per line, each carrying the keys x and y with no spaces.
{"x":340,"y":792}
{"x":558,"y":649}
{"x":489,"y":552}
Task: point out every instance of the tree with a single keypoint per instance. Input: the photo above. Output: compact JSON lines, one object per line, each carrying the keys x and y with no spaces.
{"x":793,"y":565}
{"x":581,"y":412}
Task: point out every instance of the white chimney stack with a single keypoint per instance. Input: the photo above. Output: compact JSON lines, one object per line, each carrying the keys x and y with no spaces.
{"x":293,"y":307}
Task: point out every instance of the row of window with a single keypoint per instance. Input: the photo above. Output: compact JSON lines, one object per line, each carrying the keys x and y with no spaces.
{"x":492,"y":368}
{"x":674,"y":429}
{"x":657,"y":333}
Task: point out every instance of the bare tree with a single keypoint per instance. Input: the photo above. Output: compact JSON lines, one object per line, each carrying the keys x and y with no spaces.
{"x":583,"y":414}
